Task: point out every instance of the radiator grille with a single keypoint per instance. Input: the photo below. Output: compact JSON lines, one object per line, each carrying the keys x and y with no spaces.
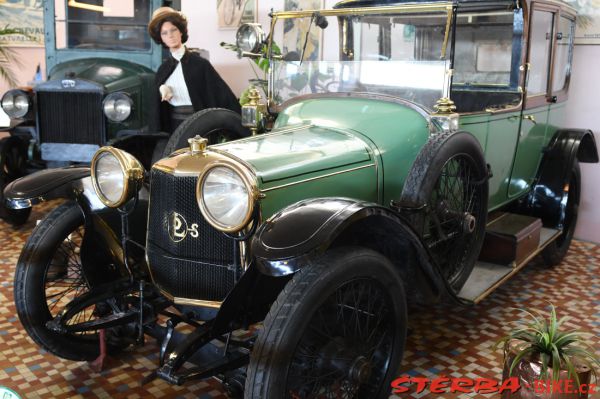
{"x":71,"y":117}
{"x":183,"y":263}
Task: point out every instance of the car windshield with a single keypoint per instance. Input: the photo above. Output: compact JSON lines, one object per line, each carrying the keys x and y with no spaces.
{"x":399,"y":52}
{"x":119,"y":25}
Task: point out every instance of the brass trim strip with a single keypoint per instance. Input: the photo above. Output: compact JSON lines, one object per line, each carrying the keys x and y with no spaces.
{"x":316,"y":178}
{"x":516,"y":269}
{"x":406,"y":8}
{"x":198,"y":302}
{"x":189,"y":301}
{"x":447,"y":34}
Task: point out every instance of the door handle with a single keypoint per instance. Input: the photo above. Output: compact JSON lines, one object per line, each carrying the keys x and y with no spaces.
{"x":530,"y":118}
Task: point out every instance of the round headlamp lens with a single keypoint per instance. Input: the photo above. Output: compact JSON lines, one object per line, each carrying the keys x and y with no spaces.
{"x":249,"y":37}
{"x":110,"y":178}
{"x":225,"y":197}
{"x":15,"y":103}
{"x":117,"y":107}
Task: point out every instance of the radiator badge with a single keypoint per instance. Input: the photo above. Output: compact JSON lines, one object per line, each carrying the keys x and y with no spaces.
{"x":68,"y":83}
{"x":178,"y":228}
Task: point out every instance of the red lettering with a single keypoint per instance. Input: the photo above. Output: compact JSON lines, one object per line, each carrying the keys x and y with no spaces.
{"x":439,"y":385}
{"x":461,"y":385}
{"x":397,"y":384}
{"x":569,"y":386}
{"x":511,"y":384}
{"x":557,"y":387}
{"x":485,"y":385}
{"x":592,"y":388}
{"x":421,"y":383}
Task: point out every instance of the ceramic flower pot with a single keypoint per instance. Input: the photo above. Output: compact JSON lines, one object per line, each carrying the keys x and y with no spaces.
{"x":528,"y":372}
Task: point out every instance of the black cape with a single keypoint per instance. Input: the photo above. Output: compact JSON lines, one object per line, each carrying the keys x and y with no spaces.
{"x":206,"y":88}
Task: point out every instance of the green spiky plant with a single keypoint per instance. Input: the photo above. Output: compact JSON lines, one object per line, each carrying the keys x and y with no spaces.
{"x":8,"y":58}
{"x":545,"y":339}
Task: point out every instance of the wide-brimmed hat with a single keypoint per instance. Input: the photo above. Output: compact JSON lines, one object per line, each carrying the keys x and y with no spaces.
{"x":158,"y":17}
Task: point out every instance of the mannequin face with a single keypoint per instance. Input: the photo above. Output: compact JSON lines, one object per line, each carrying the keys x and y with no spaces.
{"x":171,"y":36}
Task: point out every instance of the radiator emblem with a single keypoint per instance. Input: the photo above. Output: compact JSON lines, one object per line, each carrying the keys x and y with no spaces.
{"x":178,"y":228}
{"x":68,"y":83}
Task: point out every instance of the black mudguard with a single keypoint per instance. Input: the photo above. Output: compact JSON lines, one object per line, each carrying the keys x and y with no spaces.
{"x":305,"y":230}
{"x":566,"y":147}
{"x":44,"y":185}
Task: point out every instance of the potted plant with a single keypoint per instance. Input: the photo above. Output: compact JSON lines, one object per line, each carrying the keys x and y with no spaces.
{"x":549,"y":361}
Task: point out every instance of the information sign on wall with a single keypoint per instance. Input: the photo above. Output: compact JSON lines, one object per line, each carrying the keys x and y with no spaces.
{"x":21,"y":23}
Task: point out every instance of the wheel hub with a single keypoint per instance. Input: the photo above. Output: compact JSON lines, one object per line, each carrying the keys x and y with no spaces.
{"x":360,"y":371}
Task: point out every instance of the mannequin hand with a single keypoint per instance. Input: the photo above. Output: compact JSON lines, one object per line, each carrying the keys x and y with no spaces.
{"x":166,"y":93}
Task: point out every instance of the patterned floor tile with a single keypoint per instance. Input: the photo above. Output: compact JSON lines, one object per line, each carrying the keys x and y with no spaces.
{"x":444,"y":340}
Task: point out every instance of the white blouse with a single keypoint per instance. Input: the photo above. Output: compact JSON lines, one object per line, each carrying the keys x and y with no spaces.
{"x":181,"y":96}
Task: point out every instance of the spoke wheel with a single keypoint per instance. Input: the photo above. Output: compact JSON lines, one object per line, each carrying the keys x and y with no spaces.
{"x":336,"y":331}
{"x":48,"y":276}
{"x":217,"y":125}
{"x":448,"y":184}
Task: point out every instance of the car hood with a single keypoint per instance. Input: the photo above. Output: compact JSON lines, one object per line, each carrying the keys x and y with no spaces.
{"x":104,"y":71}
{"x":299,"y":152}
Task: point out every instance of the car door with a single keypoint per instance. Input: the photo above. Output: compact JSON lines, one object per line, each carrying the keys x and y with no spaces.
{"x":548,"y":70}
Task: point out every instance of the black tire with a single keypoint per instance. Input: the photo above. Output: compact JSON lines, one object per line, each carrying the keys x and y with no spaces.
{"x":218,"y":125}
{"x":306,"y":335}
{"x":48,"y":263}
{"x":555,"y":252}
{"x":13,"y":160}
{"x":449,"y":177}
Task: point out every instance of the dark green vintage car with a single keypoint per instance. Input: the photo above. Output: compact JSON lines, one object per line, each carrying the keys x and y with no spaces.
{"x":397,"y":130}
{"x":99,"y":90}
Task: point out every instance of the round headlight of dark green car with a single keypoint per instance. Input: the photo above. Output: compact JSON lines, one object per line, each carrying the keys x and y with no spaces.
{"x":250,"y":38}
{"x":117,"y":107}
{"x":16,"y":103}
{"x":115,"y":175}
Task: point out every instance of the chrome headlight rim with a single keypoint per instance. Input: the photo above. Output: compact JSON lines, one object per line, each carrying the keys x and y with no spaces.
{"x":243,"y":32}
{"x":16,"y":93}
{"x":131,"y":168}
{"x":251,"y":188}
{"x":111,"y":100}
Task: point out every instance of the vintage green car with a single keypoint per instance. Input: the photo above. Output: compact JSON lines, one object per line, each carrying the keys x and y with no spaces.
{"x":395,"y":130}
{"x":100,"y":91}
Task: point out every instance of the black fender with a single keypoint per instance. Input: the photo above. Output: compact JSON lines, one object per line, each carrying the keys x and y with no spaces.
{"x":302,"y":231}
{"x":43,"y":185}
{"x":548,"y":192}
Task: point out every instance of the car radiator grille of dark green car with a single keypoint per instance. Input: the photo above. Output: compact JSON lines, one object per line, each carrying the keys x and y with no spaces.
{"x":71,"y":117}
{"x":188,"y":258}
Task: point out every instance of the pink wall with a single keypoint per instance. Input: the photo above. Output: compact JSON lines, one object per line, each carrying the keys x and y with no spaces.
{"x":583,"y":112}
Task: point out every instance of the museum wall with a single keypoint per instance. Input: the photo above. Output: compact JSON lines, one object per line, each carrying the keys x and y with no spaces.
{"x":582,"y":110}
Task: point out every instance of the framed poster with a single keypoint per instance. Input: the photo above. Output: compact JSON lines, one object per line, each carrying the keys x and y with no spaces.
{"x":294,"y":30}
{"x":232,"y":13}
{"x":22,"y":23}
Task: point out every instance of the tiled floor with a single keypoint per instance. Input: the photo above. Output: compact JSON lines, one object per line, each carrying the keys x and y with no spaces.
{"x":445,"y":340}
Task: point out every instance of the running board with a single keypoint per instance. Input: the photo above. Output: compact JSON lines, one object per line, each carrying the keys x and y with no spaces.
{"x":486,"y":277}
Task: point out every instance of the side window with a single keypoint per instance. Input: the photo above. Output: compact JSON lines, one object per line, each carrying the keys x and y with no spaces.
{"x":539,"y":52}
{"x":483,"y":54}
{"x":487,"y":51}
{"x":563,"y":55}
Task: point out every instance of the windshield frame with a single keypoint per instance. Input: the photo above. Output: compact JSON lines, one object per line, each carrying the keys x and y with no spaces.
{"x":448,"y":7}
